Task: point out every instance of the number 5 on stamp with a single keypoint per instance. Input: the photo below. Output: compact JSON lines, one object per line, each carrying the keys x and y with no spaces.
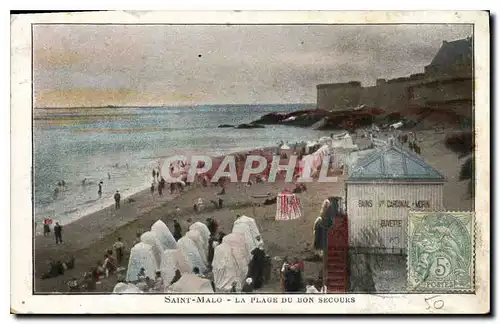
{"x":441,"y":251}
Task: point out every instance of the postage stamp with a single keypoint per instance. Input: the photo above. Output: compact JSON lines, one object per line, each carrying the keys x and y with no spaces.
{"x":152,"y":152}
{"x":441,"y":256}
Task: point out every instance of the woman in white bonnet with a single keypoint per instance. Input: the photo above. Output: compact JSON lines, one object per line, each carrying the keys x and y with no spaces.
{"x":247,"y":287}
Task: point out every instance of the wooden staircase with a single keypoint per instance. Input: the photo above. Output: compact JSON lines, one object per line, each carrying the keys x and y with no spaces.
{"x":337,"y":256}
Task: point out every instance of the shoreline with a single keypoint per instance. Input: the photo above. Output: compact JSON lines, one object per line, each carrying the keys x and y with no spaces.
{"x":138,"y":191}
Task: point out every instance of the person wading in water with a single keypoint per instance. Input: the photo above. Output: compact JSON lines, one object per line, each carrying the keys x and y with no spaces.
{"x":117,"y":199}
{"x":99,"y":191}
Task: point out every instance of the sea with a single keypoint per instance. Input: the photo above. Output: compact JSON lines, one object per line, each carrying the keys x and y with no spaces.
{"x":121,"y":146}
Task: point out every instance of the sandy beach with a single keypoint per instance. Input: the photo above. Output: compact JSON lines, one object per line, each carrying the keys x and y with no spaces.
{"x":88,"y":238}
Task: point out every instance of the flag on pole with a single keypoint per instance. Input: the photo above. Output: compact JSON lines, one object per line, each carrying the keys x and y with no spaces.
{"x":288,"y":206}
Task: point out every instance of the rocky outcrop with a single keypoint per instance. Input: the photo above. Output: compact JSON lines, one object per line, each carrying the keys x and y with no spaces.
{"x":249,"y":126}
{"x":271,"y":118}
{"x":303,"y":118}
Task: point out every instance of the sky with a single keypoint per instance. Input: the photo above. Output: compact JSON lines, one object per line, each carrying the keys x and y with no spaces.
{"x":155,"y":65}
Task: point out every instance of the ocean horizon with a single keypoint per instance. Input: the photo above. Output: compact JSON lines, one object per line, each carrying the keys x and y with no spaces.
{"x":121,"y":145}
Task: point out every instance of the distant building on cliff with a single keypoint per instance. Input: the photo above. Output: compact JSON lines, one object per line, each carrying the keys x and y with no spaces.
{"x":447,"y":83}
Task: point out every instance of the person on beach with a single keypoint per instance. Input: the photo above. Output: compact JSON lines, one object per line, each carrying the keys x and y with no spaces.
{"x":141,"y":276}
{"x":109,"y":264}
{"x":211,"y":248}
{"x":158,"y":282}
{"x":212,"y":226}
{"x":221,"y":236}
{"x":256,"y":267}
{"x":177,"y":230}
{"x":247,"y":287}
{"x":152,"y":188}
{"x":89,"y":282}
{"x":284,"y":269}
{"x":99,"y":191}
{"x":58,"y":233}
{"x":98,"y":271}
{"x":196,"y":271}
{"x":46,"y":226}
{"x":109,"y":176}
{"x":117,"y":199}
{"x":233,"y":287}
{"x":176,"y":277}
{"x":118,"y":247}
{"x":160,"y":189}
{"x":84,"y":182}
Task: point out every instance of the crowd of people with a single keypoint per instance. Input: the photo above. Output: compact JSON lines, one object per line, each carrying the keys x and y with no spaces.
{"x":259,"y":267}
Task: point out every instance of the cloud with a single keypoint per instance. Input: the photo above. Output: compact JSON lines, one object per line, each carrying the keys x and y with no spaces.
{"x":222,"y":64}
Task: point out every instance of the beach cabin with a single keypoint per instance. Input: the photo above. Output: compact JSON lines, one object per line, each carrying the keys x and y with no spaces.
{"x":191,"y":253}
{"x":203,"y":229}
{"x":190,"y":283}
{"x":340,"y":150}
{"x":286,"y":149}
{"x":252,"y":225}
{"x":151,"y":239}
{"x":126,"y":288}
{"x":173,"y":260}
{"x":311,"y":146}
{"x":200,"y":244}
{"x":240,"y":250}
{"x":163,"y":234}
{"x":141,"y":256}
{"x":226,"y":269}
{"x":243,"y":229}
{"x":381,"y":189}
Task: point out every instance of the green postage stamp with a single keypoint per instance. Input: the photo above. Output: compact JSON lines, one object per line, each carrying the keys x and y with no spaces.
{"x":441,"y":252}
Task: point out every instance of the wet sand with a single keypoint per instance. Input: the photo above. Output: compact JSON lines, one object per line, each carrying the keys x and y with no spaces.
{"x":88,"y":238}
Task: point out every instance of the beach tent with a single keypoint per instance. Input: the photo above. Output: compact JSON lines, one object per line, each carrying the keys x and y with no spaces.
{"x":244,"y":229}
{"x":310,"y":145}
{"x":173,"y":260}
{"x":251,"y":224}
{"x":163,"y":233}
{"x":238,"y":242}
{"x":396,"y":125}
{"x":325,"y":141}
{"x":141,"y":256}
{"x":286,"y":149}
{"x":191,"y":253}
{"x":203,"y":229}
{"x":200,"y":243}
{"x":123,"y":288}
{"x":240,"y":250}
{"x":225,"y":269}
{"x":313,"y":162}
{"x":151,"y":239}
{"x":190,"y":283}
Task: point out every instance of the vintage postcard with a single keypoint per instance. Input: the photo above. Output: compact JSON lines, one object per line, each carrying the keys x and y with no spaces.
{"x":250,"y":162}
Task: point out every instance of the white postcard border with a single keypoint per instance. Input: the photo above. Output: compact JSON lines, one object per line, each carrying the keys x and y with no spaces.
{"x":22,"y":299}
